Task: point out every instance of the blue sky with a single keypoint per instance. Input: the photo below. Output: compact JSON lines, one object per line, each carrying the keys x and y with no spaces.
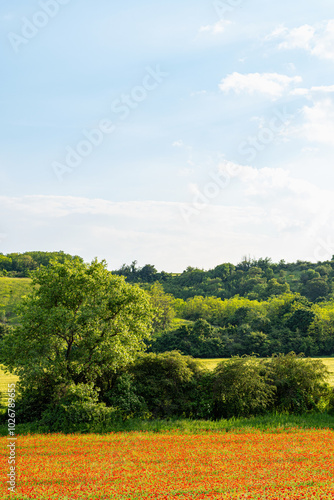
{"x":173,"y":133}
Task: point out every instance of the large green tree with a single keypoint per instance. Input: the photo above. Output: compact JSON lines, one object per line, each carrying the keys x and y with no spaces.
{"x":79,"y":323}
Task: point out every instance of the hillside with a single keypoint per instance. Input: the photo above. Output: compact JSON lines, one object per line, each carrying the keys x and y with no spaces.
{"x":11,"y":292}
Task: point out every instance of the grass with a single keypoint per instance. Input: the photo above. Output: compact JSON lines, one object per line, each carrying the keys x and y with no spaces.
{"x":6,"y":379}
{"x":11,"y":292}
{"x":265,"y":423}
{"x":329,"y":362}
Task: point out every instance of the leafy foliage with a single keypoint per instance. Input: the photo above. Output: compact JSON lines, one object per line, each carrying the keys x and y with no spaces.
{"x":79,"y":324}
{"x":21,"y":264}
{"x":167,"y":382}
{"x":73,"y":405}
{"x":254,"y":279}
{"x":300,"y":383}
{"x":242,"y":388}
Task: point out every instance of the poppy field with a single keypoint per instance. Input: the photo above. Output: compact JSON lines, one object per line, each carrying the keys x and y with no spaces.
{"x":294,"y":464}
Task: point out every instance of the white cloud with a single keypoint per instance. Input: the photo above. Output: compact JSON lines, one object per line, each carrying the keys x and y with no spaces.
{"x":318,"y":123}
{"x":217,"y":28}
{"x":264,"y":212}
{"x":317,"y":40}
{"x":297,"y":38}
{"x":198,"y":92}
{"x":323,"y":46}
{"x":302,"y":91}
{"x":323,"y":88}
{"x":271,"y":84}
{"x":315,"y":122}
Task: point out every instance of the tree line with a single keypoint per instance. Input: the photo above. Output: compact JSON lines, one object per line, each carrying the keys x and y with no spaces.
{"x":253,"y":279}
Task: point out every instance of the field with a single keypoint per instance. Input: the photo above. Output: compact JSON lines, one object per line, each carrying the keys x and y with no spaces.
{"x":11,"y":291}
{"x":208,"y":465}
{"x":6,"y":379}
{"x":329,"y":362}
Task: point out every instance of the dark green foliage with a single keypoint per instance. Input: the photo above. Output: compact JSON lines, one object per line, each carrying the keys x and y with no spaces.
{"x":301,"y":320}
{"x":200,"y":340}
{"x":315,"y":288}
{"x":242,"y":388}
{"x":34,"y":397}
{"x":72,"y":406}
{"x":167,"y":382}
{"x":124,"y":399}
{"x":170,"y":385}
{"x":300,"y":383}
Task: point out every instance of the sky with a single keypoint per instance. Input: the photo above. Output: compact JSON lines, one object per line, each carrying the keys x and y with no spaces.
{"x":174,"y":133}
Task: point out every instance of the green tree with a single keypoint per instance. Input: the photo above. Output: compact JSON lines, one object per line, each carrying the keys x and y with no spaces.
{"x":315,"y":288}
{"x":163,"y":306}
{"x":148,"y":273}
{"x":79,"y":322}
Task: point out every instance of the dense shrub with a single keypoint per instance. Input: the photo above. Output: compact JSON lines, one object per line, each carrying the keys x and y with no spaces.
{"x":241,"y":388}
{"x":202,"y":397}
{"x":167,"y":382}
{"x":74,"y":405}
{"x":125,"y":400}
{"x":300,"y":383}
{"x":33,"y":398}
{"x":171,"y":385}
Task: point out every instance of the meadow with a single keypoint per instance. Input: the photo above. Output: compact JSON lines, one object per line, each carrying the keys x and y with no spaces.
{"x":11,"y":292}
{"x":6,"y":379}
{"x":172,"y":465}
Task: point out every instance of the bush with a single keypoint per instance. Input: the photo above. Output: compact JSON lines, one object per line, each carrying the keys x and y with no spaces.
{"x":300,"y":383}
{"x":33,"y":397}
{"x":202,"y":397}
{"x":168,"y":382}
{"x":124,"y":399}
{"x":241,"y":388}
{"x":73,"y":406}
{"x":331,"y":402}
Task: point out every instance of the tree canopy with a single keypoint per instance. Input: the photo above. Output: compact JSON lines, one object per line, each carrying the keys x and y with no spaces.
{"x":79,"y":322}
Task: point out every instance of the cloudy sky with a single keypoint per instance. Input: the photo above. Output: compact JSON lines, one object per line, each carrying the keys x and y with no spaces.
{"x":172,"y":133}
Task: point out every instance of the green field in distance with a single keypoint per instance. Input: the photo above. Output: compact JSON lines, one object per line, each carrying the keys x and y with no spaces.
{"x":329,"y":362}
